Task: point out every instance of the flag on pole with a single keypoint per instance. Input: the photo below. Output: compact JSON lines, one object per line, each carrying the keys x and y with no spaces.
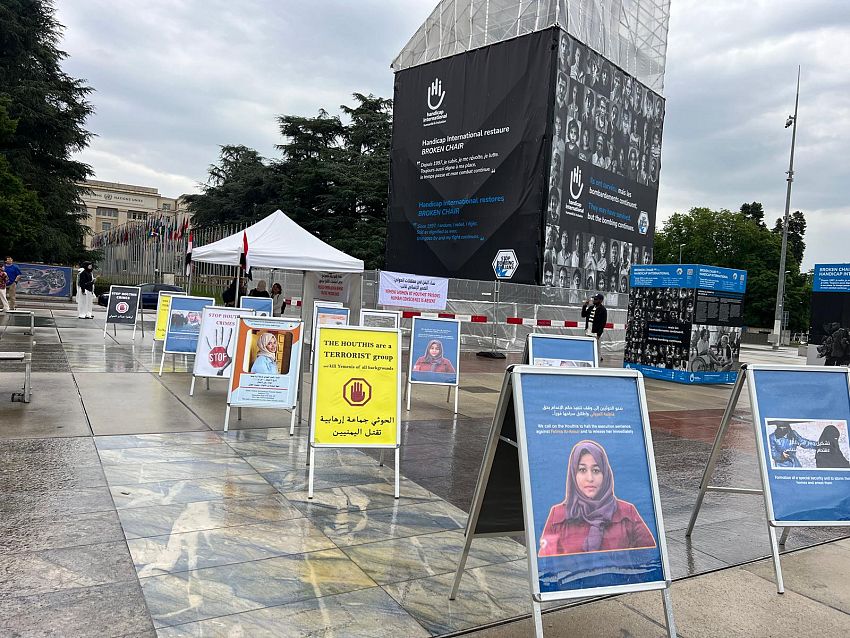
{"x":244,"y":259}
{"x":189,"y":255}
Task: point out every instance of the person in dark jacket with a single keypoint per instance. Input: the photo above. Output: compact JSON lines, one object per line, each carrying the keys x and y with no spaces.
{"x":595,"y":316}
{"x":85,"y":291}
{"x":828,"y":454}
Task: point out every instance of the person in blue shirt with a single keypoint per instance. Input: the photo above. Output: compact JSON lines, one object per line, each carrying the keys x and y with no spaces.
{"x":266,"y":361}
{"x":784,"y":442}
{"x":13,"y":273}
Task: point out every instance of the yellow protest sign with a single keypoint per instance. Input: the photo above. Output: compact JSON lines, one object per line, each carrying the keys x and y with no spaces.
{"x":163,"y":309}
{"x":357,"y":387}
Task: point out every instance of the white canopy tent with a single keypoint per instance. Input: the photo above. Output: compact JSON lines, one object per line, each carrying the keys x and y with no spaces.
{"x":278,"y":242}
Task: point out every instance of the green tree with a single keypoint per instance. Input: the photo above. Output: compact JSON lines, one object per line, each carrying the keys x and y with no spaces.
{"x":331,"y":178}
{"x":740,"y":240}
{"x":20,"y":209}
{"x":50,"y":108}
{"x":241,"y":188}
{"x":796,"y":234}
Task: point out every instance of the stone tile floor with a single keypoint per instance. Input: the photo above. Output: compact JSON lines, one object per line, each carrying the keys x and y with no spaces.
{"x":162,"y":525}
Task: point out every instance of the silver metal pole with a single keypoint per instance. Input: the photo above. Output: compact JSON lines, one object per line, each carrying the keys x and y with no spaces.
{"x":780,"y":289}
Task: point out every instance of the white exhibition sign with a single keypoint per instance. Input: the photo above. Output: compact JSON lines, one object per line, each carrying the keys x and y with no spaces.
{"x":413,"y":291}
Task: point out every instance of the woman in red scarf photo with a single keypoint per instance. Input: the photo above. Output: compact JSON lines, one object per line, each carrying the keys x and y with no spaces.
{"x":433,"y":359}
{"x":591,"y":518}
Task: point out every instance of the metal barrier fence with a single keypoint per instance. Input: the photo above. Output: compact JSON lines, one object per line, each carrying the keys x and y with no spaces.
{"x":137,"y":259}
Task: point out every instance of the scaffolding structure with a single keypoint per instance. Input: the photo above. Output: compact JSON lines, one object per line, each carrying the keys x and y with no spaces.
{"x":630,"y":33}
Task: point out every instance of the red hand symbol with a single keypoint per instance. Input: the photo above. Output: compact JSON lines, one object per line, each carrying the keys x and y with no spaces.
{"x":357,"y":394}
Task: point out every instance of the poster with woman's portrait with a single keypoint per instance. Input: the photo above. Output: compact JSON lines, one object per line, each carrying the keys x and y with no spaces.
{"x":802,"y":418}
{"x":434,"y":351}
{"x":266,"y":363}
{"x":562,"y":351}
{"x":184,"y":324}
{"x":594,"y":519}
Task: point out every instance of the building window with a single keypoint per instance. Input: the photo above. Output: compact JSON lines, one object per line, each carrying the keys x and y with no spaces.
{"x":137,"y":215}
{"x":107,"y":212}
{"x":166,"y":207}
{"x":104,"y":226}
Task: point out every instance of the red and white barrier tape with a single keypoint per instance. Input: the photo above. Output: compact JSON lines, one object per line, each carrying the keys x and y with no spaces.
{"x":513,"y":321}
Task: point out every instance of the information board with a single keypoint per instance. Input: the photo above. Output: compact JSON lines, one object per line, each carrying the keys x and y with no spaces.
{"x":123,"y":305}
{"x":184,"y":324}
{"x":357,"y":387}
{"x":217,"y":341}
{"x":801,"y":417}
{"x":435,"y":351}
{"x":379,"y":318}
{"x":562,"y":351}
{"x":578,"y":431}
{"x":262,"y":306}
{"x":163,"y":304}
{"x":266,"y":363}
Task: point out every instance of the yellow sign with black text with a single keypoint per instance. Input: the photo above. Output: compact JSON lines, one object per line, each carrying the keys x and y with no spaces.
{"x":357,"y":381}
{"x":163,"y":309}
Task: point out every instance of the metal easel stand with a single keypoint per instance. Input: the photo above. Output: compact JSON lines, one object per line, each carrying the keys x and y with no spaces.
{"x":312,"y":464}
{"x":408,"y":389}
{"x":709,"y":471}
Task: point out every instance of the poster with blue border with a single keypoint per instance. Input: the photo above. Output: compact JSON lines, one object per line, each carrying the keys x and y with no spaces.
{"x":184,"y":324}
{"x":562,"y":351}
{"x":593,"y":518}
{"x":262,"y":306}
{"x":434,"y":351}
{"x":42,"y":280}
{"x":802,"y":419}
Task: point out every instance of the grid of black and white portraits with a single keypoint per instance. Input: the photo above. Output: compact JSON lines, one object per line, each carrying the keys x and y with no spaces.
{"x":605,"y":117}
{"x":586,"y":261}
{"x":660,"y":333}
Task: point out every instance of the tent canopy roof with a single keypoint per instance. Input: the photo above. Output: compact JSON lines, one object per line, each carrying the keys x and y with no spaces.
{"x":278,"y":242}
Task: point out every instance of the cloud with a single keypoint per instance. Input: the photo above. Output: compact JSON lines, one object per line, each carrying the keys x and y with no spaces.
{"x":175,"y":79}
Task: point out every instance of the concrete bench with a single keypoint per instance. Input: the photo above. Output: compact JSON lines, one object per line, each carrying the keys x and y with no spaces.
{"x":26,"y":359}
{"x":23,"y":313}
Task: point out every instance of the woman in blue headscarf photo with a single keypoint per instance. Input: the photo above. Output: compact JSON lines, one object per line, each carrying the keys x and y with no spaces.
{"x":266,"y":361}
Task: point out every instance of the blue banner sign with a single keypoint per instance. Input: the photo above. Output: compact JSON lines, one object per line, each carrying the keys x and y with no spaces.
{"x":562,"y":351}
{"x":688,"y":276}
{"x":802,"y":419}
{"x":41,"y":280}
{"x":593,"y":517}
{"x":184,"y":323}
{"x":831,"y":278}
{"x":262,"y":306}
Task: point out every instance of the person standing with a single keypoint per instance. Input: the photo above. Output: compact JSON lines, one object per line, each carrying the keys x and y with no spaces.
{"x":278,"y":302}
{"x":4,"y":281}
{"x":595,"y":316}
{"x":85,"y":291}
{"x":260,"y":290}
{"x":13,"y":273}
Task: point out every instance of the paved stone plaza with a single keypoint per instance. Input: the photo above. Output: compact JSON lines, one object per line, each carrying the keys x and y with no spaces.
{"x":126,"y":511}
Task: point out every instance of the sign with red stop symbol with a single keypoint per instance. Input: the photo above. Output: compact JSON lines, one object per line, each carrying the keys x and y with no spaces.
{"x":357,"y":391}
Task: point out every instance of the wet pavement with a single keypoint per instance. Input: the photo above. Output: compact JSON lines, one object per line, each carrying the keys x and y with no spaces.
{"x":126,"y":511}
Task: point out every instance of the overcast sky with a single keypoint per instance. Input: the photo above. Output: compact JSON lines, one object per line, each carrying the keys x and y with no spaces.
{"x":175,"y":80}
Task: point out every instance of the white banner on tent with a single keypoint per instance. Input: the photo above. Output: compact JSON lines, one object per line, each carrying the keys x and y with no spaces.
{"x":333,"y":286}
{"x":413,"y":291}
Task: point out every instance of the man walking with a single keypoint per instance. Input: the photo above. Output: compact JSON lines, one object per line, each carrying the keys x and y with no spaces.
{"x":595,"y":316}
{"x":13,"y":273}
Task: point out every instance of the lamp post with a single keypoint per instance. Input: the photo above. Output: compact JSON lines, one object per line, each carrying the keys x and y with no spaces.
{"x":780,"y":290}
{"x":680,"y":252}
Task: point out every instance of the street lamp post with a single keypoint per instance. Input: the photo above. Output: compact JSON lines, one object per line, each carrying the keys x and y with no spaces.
{"x":780,"y":290}
{"x":680,"y":252}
